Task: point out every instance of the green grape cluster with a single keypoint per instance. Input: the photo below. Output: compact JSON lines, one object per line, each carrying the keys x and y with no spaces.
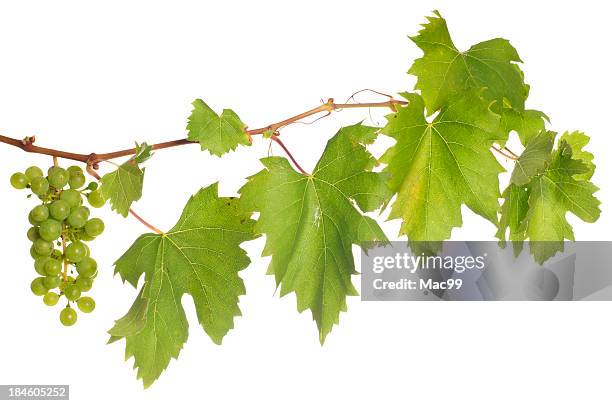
{"x":61,"y":225}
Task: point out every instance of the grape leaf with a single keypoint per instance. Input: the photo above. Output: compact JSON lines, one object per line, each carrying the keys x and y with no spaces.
{"x":533,"y":160}
{"x":444,"y":70}
{"x":143,"y":153}
{"x":311,"y":222}
{"x":437,"y":166}
{"x":199,"y":256}
{"x":577,"y":141}
{"x":527,"y":124}
{"x":537,"y":211}
{"x":123,"y":186}
{"x":217,"y":134}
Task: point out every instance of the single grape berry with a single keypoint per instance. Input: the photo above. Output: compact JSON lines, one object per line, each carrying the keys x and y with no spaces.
{"x":39,"y":265}
{"x":73,"y":169}
{"x":92,"y":186}
{"x":78,"y":216}
{"x":50,"y":230}
{"x":87,"y":267}
{"x":83,"y":283}
{"x":77,"y":180}
{"x":96,"y":199}
{"x":53,"y":267}
{"x":40,"y":213}
{"x":19,"y":180}
{"x":58,"y":177}
{"x":86,"y":304}
{"x":38,"y":287}
{"x":33,"y":172}
{"x":72,"y":292}
{"x":42,"y":247}
{"x":51,"y":282}
{"x":94,"y":227}
{"x":31,"y":220}
{"x":68,"y":316}
{"x":51,"y":298}
{"x":76,"y":252}
{"x":71,"y":196}
{"x":39,"y":186}
{"x":33,"y":233}
{"x":59,"y":210}
{"x":35,"y":255}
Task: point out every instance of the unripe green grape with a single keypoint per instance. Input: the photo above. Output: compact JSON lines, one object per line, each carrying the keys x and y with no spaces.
{"x":96,"y":199}
{"x":19,"y":180}
{"x":53,"y":267}
{"x":40,"y":213}
{"x":51,"y":282}
{"x":39,"y":186}
{"x":50,"y":230}
{"x":76,"y":252}
{"x":73,"y":169}
{"x":59,"y":210}
{"x":77,"y":180}
{"x":33,"y":172}
{"x":51,"y":298}
{"x":78,"y":217}
{"x":72,"y":292}
{"x":58,"y":177}
{"x":71,"y":196}
{"x":94,"y":227}
{"x":68,"y":316}
{"x":92,"y":186}
{"x":39,"y":265}
{"x":38,"y":287}
{"x":33,"y":233}
{"x":83,"y":283}
{"x":31,"y":220}
{"x":87,"y":267}
{"x":86,"y":304}
{"x":83,"y":236}
{"x":35,"y":255}
{"x":42,"y":247}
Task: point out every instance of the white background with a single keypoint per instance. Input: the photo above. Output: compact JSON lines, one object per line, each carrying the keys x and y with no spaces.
{"x":87,"y":76}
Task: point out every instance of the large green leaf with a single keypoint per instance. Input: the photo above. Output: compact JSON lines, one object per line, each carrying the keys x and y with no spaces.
{"x":436,"y":167}
{"x":311,"y":222}
{"x":123,"y":186}
{"x":216,"y":133}
{"x":444,"y":70}
{"x":199,"y":256}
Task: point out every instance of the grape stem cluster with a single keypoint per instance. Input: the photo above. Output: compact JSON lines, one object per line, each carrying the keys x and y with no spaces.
{"x":92,"y":160}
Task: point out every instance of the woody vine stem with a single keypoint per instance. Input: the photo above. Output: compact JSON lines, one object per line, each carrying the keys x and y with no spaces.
{"x":93,"y":160}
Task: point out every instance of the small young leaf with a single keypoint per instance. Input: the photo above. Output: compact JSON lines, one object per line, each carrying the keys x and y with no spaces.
{"x":123,"y":186}
{"x":444,"y":70}
{"x":217,"y":134}
{"x":533,"y":160}
{"x":200,"y":256}
{"x":144,"y":151}
{"x":577,"y":141}
{"x":537,"y":211}
{"x":527,"y":124}
{"x":311,"y":222}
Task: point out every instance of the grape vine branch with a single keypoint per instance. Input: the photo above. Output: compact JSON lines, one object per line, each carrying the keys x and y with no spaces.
{"x":450,"y":135}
